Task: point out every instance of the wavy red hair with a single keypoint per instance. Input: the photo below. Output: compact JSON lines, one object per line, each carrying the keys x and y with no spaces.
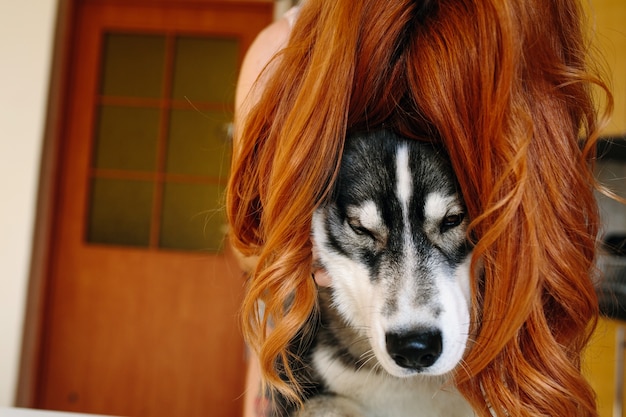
{"x":506,"y":87}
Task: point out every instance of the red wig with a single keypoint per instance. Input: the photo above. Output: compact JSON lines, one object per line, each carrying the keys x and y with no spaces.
{"x":506,"y":87}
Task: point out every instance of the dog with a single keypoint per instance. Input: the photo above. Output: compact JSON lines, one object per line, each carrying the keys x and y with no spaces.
{"x":394,"y":324}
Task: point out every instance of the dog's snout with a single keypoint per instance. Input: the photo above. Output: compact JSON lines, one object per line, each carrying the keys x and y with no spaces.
{"x":415,"y":350}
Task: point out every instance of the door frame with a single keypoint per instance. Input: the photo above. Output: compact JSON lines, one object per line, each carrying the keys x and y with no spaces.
{"x":49,"y":178}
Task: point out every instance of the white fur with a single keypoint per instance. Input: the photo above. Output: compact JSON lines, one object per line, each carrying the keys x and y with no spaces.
{"x":437,"y":205}
{"x":404,"y":186}
{"x":382,"y":396}
{"x":370,"y":216}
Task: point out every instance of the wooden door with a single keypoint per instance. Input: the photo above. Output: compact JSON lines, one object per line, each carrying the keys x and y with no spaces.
{"x":142,"y":292}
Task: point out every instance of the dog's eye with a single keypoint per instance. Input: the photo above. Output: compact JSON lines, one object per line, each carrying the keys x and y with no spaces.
{"x":359,"y":229}
{"x":451,"y":221}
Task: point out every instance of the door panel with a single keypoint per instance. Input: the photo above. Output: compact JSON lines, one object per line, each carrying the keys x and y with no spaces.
{"x":143,"y":293}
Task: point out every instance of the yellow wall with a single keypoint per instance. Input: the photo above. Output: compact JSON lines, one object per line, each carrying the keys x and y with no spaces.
{"x":608,"y":19}
{"x":599,"y":364}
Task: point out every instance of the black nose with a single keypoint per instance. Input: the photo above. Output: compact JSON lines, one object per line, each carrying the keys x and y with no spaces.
{"x":414,"y":350}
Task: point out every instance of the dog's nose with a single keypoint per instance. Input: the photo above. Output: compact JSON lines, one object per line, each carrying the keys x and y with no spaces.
{"x":414,"y":350}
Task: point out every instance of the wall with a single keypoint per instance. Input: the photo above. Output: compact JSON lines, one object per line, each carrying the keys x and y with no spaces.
{"x":608,"y":17}
{"x":26,"y":34}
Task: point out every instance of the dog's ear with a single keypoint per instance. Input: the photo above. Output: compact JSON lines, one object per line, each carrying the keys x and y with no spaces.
{"x":425,"y":8}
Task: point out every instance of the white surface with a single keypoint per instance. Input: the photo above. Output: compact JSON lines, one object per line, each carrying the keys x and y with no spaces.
{"x":26,"y":34}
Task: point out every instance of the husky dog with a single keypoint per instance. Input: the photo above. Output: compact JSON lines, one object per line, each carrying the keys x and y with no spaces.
{"x":394,"y":323}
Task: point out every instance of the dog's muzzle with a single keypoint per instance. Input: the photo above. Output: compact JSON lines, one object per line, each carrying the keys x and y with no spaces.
{"x":415,"y":350}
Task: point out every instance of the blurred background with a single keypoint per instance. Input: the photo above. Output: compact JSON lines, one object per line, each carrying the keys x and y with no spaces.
{"x":118,"y":294}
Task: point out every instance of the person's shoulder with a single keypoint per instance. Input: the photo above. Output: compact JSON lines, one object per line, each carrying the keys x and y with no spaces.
{"x":271,"y":40}
{"x":267,"y":44}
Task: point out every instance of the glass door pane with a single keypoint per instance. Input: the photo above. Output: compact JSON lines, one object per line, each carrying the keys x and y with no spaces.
{"x":205,"y":69}
{"x":133,"y":65}
{"x":161,"y":149}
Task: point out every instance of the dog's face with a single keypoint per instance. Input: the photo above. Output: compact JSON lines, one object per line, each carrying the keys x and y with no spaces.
{"x":393,"y":240}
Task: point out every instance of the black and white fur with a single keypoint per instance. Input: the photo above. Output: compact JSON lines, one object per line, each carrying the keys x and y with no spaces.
{"x":394,"y":323}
